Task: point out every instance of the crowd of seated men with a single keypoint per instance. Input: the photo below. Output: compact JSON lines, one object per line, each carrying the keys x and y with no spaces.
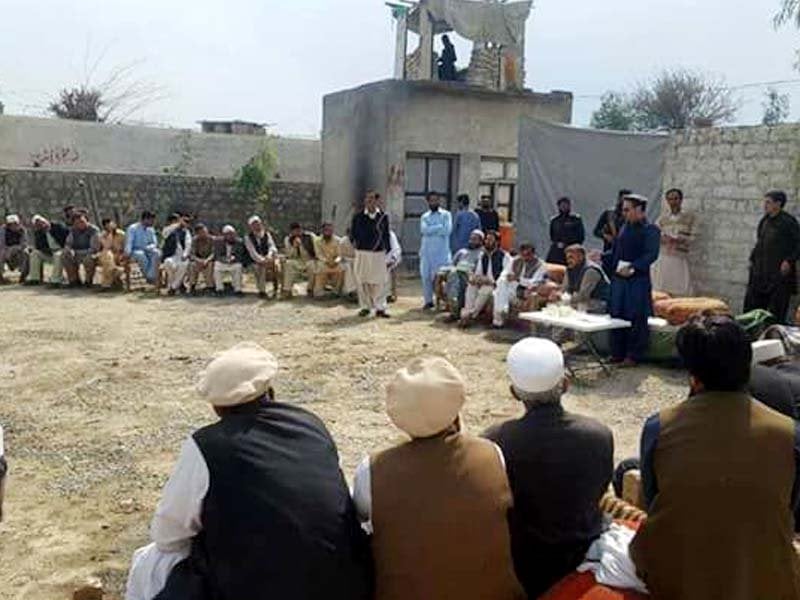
{"x":184,"y":256}
{"x":504,"y":515}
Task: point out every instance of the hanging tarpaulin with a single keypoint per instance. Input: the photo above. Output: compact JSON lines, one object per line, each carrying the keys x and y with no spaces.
{"x":478,"y":21}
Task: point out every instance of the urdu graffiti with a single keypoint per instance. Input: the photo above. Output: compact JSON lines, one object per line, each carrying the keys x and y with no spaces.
{"x":54,"y":156}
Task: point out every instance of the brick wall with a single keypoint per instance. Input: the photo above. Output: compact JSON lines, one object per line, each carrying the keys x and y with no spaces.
{"x":123,"y":196}
{"x":724,"y":173}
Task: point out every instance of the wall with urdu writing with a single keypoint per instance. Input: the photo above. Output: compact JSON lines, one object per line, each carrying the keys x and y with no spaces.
{"x":724,"y":173}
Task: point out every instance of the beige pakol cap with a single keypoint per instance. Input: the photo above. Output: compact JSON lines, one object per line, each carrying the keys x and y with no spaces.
{"x":425,"y":397}
{"x":237,"y":376}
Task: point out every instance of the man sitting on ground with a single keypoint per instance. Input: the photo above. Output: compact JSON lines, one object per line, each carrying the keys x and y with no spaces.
{"x":13,"y":248}
{"x":48,"y":247}
{"x":263,"y":252}
{"x":257,"y":507}
{"x":329,"y":272}
{"x":201,"y":259}
{"x":720,"y":480}
{"x":559,"y":465}
{"x":300,"y":258}
{"x":464,"y":262}
{"x":80,"y":250}
{"x":229,"y":253}
{"x":494,"y":261}
{"x":141,"y":245}
{"x":519,"y":285}
{"x":587,"y":284}
{"x":112,"y":253}
{"x":438,"y":504}
{"x":176,"y":253}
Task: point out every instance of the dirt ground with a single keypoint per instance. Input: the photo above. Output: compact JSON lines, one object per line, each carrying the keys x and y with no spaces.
{"x":96,"y":395}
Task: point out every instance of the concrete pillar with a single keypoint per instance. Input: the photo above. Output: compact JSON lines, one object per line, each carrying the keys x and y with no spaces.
{"x":401,"y":45}
{"x":425,"y":44}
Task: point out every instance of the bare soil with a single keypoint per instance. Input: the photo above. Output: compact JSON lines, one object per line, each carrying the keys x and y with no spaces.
{"x":96,"y":396}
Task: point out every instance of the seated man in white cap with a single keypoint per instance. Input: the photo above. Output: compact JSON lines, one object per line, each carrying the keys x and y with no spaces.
{"x":176,"y":253}
{"x":559,"y":465}
{"x":229,"y":254}
{"x":438,"y":504}
{"x":464,"y":262}
{"x":257,"y":507}
{"x":48,"y":247}
{"x":262,"y":253}
{"x":13,"y":248}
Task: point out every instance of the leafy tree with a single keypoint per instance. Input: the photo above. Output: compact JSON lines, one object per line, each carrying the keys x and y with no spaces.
{"x":253,"y":179}
{"x":79,"y":103}
{"x":776,"y":107}
{"x":615,"y":113}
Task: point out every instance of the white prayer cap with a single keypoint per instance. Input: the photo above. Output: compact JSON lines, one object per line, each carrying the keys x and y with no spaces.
{"x":237,"y":376}
{"x":637,"y":197}
{"x":477,"y":232}
{"x":254,"y":219}
{"x":228,"y":229}
{"x":425,"y":397}
{"x":38,"y":219}
{"x":767,"y":350}
{"x":12,"y":220}
{"x":535,"y":365}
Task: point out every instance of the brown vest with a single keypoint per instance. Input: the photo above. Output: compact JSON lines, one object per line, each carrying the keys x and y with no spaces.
{"x":721,"y":525}
{"x":439,"y":511}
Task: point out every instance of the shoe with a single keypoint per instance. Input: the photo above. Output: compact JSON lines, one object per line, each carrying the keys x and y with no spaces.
{"x":615,"y":360}
{"x":391,"y":299}
{"x":382,"y":314}
{"x":428,"y":306}
{"x":497,"y":327}
{"x":364,"y":312}
{"x":219,"y":294}
{"x":238,"y":294}
{"x":193,"y":291}
{"x":263,"y":295}
{"x":628,"y":363}
{"x":31,"y":283}
{"x":465,"y":323}
{"x":170,"y":292}
{"x":451,"y":318}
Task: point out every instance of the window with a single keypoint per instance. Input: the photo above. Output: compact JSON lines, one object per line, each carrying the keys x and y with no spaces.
{"x":499,"y":182}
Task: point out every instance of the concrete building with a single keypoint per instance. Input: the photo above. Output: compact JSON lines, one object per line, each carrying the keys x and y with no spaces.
{"x":233,"y":127}
{"x":406,"y":138}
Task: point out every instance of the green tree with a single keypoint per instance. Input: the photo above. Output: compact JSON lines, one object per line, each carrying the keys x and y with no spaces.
{"x":252,"y":180}
{"x":776,"y":107}
{"x":615,"y":113}
{"x":79,"y":103}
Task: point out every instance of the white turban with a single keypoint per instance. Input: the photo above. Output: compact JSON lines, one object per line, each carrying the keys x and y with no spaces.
{"x":39,"y":219}
{"x":425,"y":397}
{"x":254,"y":219}
{"x":228,"y":229}
{"x":535,"y":365}
{"x":477,"y":232}
{"x":12,"y":220}
{"x":237,"y":376}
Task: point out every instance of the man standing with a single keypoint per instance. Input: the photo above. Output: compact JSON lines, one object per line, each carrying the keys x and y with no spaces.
{"x":720,"y":481}
{"x":635,"y":250}
{"x":263,"y":253}
{"x":257,"y":507}
{"x":328,"y":272}
{"x":493,"y":262}
{"x":369,"y":233}
{"x":611,"y":222}
{"x":436,"y":225}
{"x":48,"y":247}
{"x":458,"y":275}
{"x":393,"y":259}
{"x":201,"y":259}
{"x":566,"y":229}
{"x":490,"y":220}
{"x":518,"y":284}
{"x":437,"y":504}
{"x":447,"y":61}
{"x":141,"y":245}
{"x":587,"y":284}
{"x":671,"y":271}
{"x":773,"y":262}
{"x":112,"y":250}
{"x":465,"y":222}
{"x":177,"y":249}
{"x":298,"y":247}
{"x":13,"y":248}
{"x":559,"y":465}
{"x":80,"y":249}
{"x":229,"y":252}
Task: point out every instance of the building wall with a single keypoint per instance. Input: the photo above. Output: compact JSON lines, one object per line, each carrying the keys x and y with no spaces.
{"x":124,"y":196}
{"x":59,"y":144}
{"x":724,"y":173}
{"x":368,"y":132}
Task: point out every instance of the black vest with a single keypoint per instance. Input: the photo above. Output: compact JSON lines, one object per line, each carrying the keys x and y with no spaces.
{"x":498,"y":256}
{"x":14,"y":238}
{"x":171,"y":243}
{"x":278,"y":520}
{"x":261,"y":245}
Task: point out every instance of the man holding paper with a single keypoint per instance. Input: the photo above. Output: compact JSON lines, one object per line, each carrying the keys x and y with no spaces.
{"x":635,"y":251}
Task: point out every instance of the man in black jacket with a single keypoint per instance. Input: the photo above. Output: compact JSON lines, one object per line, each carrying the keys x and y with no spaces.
{"x":559,"y":465}
{"x":175,"y":253}
{"x":48,"y":247}
{"x":257,"y":507}
{"x":369,"y":233}
{"x":566,"y":229}
{"x":773,"y":262}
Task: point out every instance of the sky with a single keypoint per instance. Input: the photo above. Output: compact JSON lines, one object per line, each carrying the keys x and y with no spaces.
{"x":272,"y":61}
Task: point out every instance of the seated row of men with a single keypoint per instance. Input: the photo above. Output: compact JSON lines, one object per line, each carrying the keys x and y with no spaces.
{"x":257,"y":506}
{"x":187,"y":253}
{"x":484,"y":274}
